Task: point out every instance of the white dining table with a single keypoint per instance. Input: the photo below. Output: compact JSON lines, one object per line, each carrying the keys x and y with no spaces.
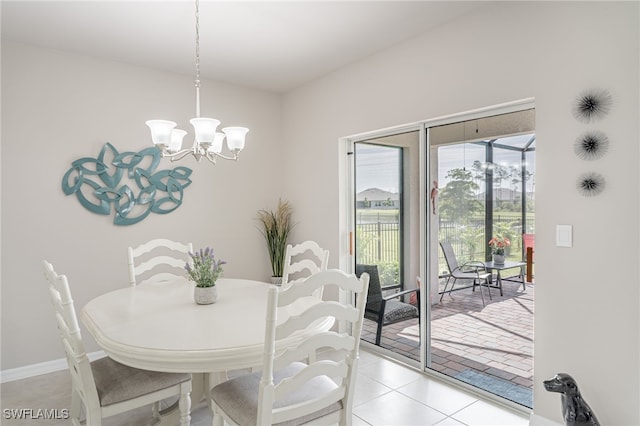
{"x":159,"y":327}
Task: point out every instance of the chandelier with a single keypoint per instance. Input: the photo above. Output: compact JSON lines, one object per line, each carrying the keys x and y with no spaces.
{"x":207,"y":142}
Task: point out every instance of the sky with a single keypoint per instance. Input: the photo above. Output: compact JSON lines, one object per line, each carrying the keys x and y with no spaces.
{"x":378,"y":166}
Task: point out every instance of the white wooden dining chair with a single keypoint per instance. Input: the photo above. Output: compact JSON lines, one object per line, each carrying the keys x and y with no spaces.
{"x":292,"y":392}
{"x":105,"y":387}
{"x":158,"y":260}
{"x":303,"y":260}
{"x":300,"y":262}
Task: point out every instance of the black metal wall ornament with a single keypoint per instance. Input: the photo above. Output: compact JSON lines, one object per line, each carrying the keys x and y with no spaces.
{"x":591,"y":145}
{"x":97,"y":184}
{"x":592,"y":104}
{"x":590,"y":184}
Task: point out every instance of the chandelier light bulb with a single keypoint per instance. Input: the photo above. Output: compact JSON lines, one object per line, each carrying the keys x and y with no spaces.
{"x":176,"y":140}
{"x":205,"y":129}
{"x":216,"y":146}
{"x":161,"y":131}
{"x":235,"y":137}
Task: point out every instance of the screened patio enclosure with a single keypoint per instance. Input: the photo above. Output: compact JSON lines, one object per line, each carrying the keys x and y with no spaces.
{"x":486,"y":189}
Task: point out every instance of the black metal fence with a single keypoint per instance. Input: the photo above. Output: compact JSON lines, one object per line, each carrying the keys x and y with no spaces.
{"x":470,"y":240}
{"x":378,"y":242}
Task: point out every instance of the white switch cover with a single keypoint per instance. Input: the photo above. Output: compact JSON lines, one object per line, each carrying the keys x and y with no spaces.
{"x":564,"y":236}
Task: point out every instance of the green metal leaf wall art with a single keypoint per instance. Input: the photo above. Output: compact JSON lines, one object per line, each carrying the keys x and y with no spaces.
{"x":97,"y":183}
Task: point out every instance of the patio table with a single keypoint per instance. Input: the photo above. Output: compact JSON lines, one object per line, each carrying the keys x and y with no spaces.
{"x":498,"y":267}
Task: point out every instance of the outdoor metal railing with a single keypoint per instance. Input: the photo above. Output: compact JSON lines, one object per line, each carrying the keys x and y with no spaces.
{"x":379,"y":241}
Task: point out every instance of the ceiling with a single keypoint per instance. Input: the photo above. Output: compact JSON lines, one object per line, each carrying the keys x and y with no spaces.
{"x":270,"y":45}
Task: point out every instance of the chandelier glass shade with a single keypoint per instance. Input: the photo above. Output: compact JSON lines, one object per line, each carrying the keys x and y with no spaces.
{"x":208,"y":142}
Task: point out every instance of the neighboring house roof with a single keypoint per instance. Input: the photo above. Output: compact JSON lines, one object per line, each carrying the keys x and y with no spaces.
{"x":372,"y":194}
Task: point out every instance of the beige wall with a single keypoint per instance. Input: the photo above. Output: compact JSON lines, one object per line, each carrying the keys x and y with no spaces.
{"x":58,"y":107}
{"x":587,"y":302}
{"x":587,"y":320}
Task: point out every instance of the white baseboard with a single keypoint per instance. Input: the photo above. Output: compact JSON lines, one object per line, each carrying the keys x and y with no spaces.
{"x":537,"y":420}
{"x":41,"y":368}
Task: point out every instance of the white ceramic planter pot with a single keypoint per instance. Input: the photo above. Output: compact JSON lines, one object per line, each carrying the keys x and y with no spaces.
{"x":498,"y":259}
{"x":205,"y":295}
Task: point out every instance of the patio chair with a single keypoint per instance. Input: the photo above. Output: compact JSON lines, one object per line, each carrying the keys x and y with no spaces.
{"x":472,"y":270}
{"x":105,"y":387}
{"x":291,"y":392}
{"x":166,"y":263}
{"x":385,"y":310}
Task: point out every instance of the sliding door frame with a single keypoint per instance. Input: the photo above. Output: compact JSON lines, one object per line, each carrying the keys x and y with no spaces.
{"x":347,"y":214}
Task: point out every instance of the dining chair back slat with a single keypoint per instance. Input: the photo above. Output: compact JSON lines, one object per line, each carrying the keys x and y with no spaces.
{"x":303,"y":260}
{"x":104,"y":387}
{"x":157,"y":261}
{"x":292,"y":391}
{"x":83,"y":384}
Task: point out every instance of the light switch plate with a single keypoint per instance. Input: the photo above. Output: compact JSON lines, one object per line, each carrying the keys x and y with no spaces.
{"x":564,"y":237}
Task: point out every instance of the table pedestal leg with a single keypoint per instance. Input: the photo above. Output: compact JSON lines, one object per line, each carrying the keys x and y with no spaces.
{"x":201,"y":384}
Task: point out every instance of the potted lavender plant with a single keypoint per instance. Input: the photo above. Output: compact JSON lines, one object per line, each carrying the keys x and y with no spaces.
{"x":204,"y":270}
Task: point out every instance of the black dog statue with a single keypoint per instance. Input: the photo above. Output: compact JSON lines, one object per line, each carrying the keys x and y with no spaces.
{"x":575,"y":410}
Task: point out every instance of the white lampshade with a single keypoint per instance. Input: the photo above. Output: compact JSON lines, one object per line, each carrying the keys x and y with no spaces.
{"x":216,"y":146}
{"x":176,"y":140}
{"x":205,"y":129}
{"x":161,"y":131}
{"x":235,"y":137}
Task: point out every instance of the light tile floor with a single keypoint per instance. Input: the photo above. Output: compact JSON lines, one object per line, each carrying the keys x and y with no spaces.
{"x":495,"y":339}
{"x":387,"y":394}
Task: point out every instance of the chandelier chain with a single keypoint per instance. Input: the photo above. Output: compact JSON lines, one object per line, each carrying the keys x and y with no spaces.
{"x":197,"y":42}
{"x":207,"y":142}
{"x":197,"y":82}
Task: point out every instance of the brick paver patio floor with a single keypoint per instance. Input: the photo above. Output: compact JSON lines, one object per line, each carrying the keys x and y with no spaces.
{"x":495,"y":339}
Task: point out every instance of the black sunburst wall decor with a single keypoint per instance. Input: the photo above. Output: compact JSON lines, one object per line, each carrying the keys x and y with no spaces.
{"x":590,"y":184}
{"x":592,"y":145}
{"x":592,"y":105}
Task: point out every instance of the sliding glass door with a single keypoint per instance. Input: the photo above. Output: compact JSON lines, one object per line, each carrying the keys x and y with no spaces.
{"x":386,"y":237}
{"x":458,"y":181}
{"x":483,"y":336}
{"x":378,"y":207}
